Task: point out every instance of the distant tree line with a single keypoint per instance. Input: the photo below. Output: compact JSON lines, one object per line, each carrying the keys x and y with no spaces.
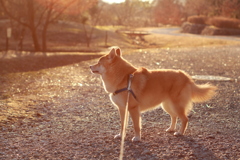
{"x":37,"y":15}
{"x":176,"y":11}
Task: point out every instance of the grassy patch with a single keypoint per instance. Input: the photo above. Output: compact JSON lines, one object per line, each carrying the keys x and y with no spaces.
{"x":169,"y":41}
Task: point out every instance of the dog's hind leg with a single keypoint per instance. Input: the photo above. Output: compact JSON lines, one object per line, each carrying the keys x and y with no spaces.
{"x":167,"y":107}
{"x":182,"y":105}
{"x":136,"y":118}
{"x":182,"y":111}
{"x":184,"y":121}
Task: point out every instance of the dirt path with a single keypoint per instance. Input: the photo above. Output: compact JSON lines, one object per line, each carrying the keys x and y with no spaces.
{"x":66,"y":114}
{"x":176,"y":31}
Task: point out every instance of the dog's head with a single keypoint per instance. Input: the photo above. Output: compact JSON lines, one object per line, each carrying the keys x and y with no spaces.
{"x":106,"y":61}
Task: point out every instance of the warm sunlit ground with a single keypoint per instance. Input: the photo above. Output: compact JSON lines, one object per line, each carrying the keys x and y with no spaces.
{"x":52,"y":107}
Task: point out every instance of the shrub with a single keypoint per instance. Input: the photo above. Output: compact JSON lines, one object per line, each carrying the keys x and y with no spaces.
{"x":223,"y":22}
{"x":197,"y":19}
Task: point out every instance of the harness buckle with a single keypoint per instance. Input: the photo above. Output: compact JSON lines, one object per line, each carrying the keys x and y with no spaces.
{"x":129,"y":82}
{"x":128,"y":88}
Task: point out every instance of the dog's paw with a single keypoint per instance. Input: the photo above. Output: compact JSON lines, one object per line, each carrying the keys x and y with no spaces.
{"x":177,"y":134}
{"x":136,"y":139}
{"x":118,"y":136}
{"x":170,"y":130}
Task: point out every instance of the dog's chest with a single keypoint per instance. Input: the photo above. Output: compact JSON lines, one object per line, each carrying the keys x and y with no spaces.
{"x":118,"y":100}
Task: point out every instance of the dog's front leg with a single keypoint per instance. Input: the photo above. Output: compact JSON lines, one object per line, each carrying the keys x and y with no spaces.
{"x":136,"y":118}
{"x":122,"y":115}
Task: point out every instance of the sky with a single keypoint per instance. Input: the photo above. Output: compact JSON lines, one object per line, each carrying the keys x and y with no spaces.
{"x":118,"y":1}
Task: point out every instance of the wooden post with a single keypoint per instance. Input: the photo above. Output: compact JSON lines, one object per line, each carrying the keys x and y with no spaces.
{"x":9,"y":32}
{"x":6,"y":44}
{"x":106,"y":37}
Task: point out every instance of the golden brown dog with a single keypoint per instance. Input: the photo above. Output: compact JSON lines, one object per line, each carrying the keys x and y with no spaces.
{"x":174,"y":89}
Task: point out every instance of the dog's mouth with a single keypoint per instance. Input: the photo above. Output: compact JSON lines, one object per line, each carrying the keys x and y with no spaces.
{"x":93,"y":71}
{"x":96,"y":72}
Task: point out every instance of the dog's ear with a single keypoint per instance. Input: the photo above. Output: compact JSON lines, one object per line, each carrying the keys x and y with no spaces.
{"x":119,"y":52}
{"x":112,"y":54}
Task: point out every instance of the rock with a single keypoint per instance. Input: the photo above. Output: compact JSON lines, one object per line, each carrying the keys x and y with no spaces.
{"x":179,"y":146}
{"x":195,"y":145}
{"x":200,"y":136}
{"x":146,"y":151}
{"x":209,"y":30}
{"x":192,"y":28}
{"x":211,"y":137}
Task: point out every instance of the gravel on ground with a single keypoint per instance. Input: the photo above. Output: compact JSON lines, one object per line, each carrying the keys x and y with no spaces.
{"x":66,"y":114}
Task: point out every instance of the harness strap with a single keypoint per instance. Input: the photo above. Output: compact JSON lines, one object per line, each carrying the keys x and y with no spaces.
{"x":127,"y":88}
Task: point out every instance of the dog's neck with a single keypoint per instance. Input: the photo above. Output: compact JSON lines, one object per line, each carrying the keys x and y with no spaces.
{"x":117,"y":78}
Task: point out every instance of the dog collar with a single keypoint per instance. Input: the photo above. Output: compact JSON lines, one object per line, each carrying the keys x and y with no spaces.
{"x":128,"y":88}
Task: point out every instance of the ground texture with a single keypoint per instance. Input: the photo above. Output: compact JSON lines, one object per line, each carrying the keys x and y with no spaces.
{"x":52,"y":107}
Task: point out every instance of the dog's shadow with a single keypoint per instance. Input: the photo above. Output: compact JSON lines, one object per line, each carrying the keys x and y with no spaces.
{"x":138,"y":150}
{"x":198,"y":150}
{"x":171,"y":148}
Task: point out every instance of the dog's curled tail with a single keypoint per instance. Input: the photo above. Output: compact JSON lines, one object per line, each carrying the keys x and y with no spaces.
{"x":204,"y":92}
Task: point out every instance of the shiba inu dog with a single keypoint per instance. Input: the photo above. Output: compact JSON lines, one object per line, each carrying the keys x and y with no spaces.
{"x":173,"y":89}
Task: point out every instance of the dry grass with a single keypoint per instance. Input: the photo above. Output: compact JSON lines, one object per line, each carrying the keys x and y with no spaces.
{"x":170,"y":41}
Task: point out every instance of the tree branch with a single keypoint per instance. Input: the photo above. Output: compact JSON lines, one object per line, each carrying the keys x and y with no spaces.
{"x":61,"y":11}
{"x":41,"y":17}
{"x":12,"y":16}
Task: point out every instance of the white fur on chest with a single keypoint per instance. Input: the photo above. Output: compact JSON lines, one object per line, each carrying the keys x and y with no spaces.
{"x":118,"y":100}
{"x":107,"y":86}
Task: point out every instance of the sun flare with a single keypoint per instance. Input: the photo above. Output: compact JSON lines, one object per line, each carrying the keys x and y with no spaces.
{"x":113,"y":1}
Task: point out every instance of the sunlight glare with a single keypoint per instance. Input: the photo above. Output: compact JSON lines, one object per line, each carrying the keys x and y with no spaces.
{"x":119,"y":1}
{"x":113,"y":1}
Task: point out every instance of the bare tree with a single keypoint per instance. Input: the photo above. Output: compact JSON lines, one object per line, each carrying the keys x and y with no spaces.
{"x":51,"y":15}
{"x":94,"y":14}
{"x":131,"y":12}
{"x":169,"y":12}
{"x":35,"y":13}
{"x":225,"y":8}
{"x":87,"y":13}
{"x":197,"y":7}
{"x":231,"y":8}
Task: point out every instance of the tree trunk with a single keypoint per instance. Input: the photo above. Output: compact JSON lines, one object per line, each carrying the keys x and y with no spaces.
{"x":35,"y":40}
{"x":32,"y":27}
{"x":44,"y":37}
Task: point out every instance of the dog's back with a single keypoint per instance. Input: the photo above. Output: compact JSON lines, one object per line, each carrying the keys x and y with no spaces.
{"x":152,"y":87}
